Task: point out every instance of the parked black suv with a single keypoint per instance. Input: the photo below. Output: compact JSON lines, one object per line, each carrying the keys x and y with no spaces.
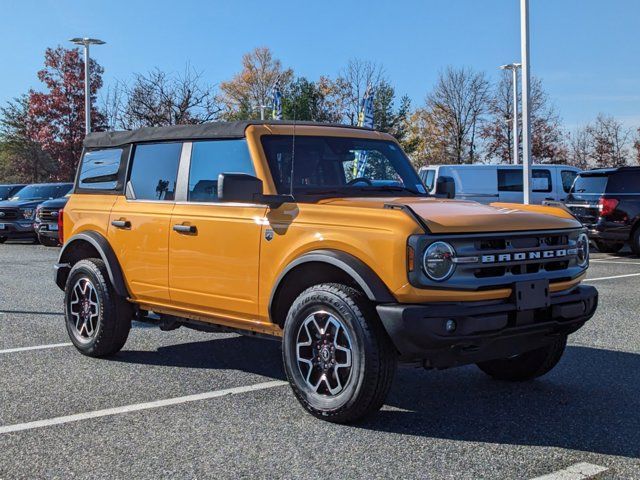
{"x":607,"y":202}
{"x":46,"y":223}
{"x":9,"y":190}
{"x":18,"y":213}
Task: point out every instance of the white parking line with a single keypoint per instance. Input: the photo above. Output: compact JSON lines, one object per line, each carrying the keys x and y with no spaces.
{"x":614,"y":276}
{"x":614,"y":261}
{"x":36,"y":347}
{"x":579,"y":471}
{"x":139,"y":406}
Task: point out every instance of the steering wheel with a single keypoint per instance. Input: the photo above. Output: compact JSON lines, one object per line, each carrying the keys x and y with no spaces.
{"x":360,"y":179}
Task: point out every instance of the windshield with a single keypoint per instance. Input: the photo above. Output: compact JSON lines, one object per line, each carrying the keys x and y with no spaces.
{"x":41,"y":192}
{"x":5,"y":191}
{"x":589,"y":184}
{"x":340,"y":166}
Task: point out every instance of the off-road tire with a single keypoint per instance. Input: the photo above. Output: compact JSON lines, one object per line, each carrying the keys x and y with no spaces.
{"x":115,"y":313}
{"x":48,"y":242}
{"x":635,"y":242}
{"x":373,"y":355}
{"x":607,"y":247}
{"x":528,"y":365}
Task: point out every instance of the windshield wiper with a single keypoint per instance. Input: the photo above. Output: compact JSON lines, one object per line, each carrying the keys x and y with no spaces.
{"x":388,"y":188}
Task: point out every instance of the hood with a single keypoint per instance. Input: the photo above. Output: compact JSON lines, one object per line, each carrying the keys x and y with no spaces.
{"x":55,"y":203}
{"x":457,"y":216}
{"x":20,"y":204}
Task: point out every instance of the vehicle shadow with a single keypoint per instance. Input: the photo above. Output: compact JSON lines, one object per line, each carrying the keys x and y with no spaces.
{"x":590,"y":402}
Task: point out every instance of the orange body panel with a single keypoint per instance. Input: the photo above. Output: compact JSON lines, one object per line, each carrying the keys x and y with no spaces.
{"x":225,"y":273}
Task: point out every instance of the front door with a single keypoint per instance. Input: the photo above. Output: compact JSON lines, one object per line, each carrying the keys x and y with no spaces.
{"x":214,"y":247}
{"x":139,"y":223}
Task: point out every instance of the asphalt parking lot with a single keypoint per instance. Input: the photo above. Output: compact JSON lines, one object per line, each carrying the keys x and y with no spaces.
{"x":207,"y":424}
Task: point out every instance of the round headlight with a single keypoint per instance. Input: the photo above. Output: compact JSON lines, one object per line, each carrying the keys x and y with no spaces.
{"x":438,"y":261}
{"x":582,"y":247}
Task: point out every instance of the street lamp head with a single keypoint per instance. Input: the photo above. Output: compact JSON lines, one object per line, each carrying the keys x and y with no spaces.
{"x":510,"y":66}
{"x":86,"y":41}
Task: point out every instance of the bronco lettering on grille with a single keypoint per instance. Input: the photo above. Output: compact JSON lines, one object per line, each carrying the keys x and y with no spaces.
{"x":520,"y":256}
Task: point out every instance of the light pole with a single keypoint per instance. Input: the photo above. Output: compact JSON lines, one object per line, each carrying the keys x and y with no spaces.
{"x":526,"y":92}
{"x":514,"y":71}
{"x":87,"y":85}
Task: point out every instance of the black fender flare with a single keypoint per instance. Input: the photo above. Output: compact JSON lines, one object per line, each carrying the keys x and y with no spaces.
{"x":108,"y":256}
{"x":370,"y":283}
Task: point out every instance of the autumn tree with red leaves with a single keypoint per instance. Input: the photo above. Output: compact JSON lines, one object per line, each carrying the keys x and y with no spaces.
{"x":55,"y":118}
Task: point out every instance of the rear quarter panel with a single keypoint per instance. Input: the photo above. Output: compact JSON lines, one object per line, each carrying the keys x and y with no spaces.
{"x":87,"y":212}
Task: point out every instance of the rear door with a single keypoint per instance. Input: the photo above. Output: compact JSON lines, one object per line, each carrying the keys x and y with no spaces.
{"x":139,"y":222}
{"x":510,"y":184}
{"x":214,"y":246}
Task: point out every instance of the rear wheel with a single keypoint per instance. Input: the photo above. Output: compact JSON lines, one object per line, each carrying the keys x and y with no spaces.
{"x":337,"y":357}
{"x":528,"y":365}
{"x":607,"y":247}
{"x":97,"y":319}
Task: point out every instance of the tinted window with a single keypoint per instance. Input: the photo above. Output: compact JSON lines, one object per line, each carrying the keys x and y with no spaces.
{"x":330,"y":165}
{"x":589,"y":184}
{"x":155,"y":171}
{"x":5,"y":191}
{"x":42,"y":192}
{"x":428,"y":176}
{"x":568,"y":176}
{"x":624,"y":181}
{"x":99,"y":170}
{"x":209,"y":159}
{"x":510,"y":180}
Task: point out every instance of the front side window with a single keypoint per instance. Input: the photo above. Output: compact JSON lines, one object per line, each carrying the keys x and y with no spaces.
{"x":211,"y":158}
{"x":567,"y":176}
{"x":99,"y":169}
{"x":510,"y":180}
{"x":339,"y":165}
{"x":155,"y":171}
{"x":428,"y":177}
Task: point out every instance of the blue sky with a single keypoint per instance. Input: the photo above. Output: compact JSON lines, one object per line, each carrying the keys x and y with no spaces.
{"x":586,"y":51}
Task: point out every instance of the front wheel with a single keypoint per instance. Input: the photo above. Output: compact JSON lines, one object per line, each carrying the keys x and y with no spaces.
{"x":528,"y":365}
{"x":337,"y":357}
{"x":607,"y":247}
{"x":97,"y":319}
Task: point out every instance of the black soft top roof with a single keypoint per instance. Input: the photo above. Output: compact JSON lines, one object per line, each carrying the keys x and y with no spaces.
{"x":215,"y":130}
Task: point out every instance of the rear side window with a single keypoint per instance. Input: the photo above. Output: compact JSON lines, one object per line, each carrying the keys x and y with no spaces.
{"x":510,"y":180}
{"x":211,"y":158}
{"x":624,"y":181}
{"x":155,"y":171}
{"x":428,"y":176}
{"x":99,"y":169}
{"x":567,"y":176}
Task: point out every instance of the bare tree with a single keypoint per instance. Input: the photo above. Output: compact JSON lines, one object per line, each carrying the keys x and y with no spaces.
{"x":548,"y":144}
{"x":159,"y":98}
{"x":251,"y":89}
{"x":608,"y":142}
{"x":579,"y":148}
{"x":457,"y":104}
{"x":352,"y":83}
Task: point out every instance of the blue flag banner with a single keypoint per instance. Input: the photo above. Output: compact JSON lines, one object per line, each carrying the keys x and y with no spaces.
{"x":365,"y":119}
{"x":276,"y":113}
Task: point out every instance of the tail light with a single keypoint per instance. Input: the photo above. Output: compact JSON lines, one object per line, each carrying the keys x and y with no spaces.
{"x":607,"y":206}
{"x":61,"y":226}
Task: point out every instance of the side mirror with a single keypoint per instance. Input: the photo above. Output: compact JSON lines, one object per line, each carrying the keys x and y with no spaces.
{"x":446,"y":187}
{"x":238,"y":187}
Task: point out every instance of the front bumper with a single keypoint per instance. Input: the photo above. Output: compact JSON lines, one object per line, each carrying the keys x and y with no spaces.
{"x":484,"y":330}
{"x":43,"y":229}
{"x":13,"y":229}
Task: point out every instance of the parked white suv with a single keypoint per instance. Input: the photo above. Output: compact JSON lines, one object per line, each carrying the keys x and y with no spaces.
{"x":502,"y":183}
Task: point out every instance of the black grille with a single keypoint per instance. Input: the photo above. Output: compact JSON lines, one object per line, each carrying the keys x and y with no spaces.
{"x":49,"y":215}
{"x":9,"y":214}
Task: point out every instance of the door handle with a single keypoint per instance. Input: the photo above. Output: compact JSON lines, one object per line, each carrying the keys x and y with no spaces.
{"x":121,"y":223}
{"x":185,"y":228}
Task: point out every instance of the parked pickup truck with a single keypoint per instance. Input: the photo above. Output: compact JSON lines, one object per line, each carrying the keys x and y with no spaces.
{"x":321,"y":237}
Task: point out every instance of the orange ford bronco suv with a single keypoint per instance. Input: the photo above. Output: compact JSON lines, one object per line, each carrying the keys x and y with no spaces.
{"x":322,"y":236}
